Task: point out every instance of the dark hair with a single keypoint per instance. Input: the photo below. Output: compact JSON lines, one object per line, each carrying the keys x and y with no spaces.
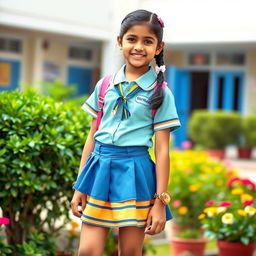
{"x":145,"y":17}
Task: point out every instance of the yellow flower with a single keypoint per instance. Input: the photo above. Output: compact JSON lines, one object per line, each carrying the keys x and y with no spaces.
{"x":241,"y":212}
{"x":74,"y":224}
{"x":201,"y":216}
{"x":246,"y":197}
{"x":250,"y":210}
{"x":218,"y":169}
{"x":227,"y":218}
{"x":221,"y":209}
{"x":237,"y":191}
{"x":72,"y":232}
{"x":219,"y":183}
{"x":194,"y":187}
{"x":210,"y":211}
{"x":183,"y":210}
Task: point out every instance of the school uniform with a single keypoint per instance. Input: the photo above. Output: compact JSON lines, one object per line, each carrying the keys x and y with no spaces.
{"x":119,"y":177}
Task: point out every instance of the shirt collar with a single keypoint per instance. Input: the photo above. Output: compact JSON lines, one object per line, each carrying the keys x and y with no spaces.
{"x":147,"y":81}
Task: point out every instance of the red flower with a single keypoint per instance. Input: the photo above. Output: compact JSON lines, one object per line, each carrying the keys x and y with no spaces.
{"x":232,"y":181}
{"x":248,"y":183}
{"x":249,"y":202}
{"x":210,"y":202}
{"x":225,"y":203}
{"x":4,"y":221}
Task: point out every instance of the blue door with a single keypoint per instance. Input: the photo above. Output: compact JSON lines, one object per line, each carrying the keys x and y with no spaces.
{"x":227,"y":90}
{"x":81,"y":77}
{"x":10,"y":74}
{"x":180,"y":84}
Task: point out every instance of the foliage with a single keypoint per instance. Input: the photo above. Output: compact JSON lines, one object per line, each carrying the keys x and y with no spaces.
{"x":41,"y":142}
{"x":63,"y":92}
{"x":214,"y":129}
{"x":234,"y":219}
{"x":37,"y":244}
{"x":194,"y":179}
{"x":249,"y":130}
{"x":190,"y":233}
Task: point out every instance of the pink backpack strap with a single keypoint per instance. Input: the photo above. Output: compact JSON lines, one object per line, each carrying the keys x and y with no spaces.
{"x":103,"y":88}
{"x":154,"y":110}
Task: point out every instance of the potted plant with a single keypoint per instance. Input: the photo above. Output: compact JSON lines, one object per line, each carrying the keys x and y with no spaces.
{"x":248,"y":137}
{"x":214,"y":130}
{"x":194,"y":179}
{"x":189,"y":241}
{"x":233,"y":221}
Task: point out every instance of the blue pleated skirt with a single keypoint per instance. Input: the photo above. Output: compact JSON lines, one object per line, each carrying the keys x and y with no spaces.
{"x":120,"y":183}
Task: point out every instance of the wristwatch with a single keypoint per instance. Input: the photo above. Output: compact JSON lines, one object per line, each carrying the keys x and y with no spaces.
{"x":165,"y":197}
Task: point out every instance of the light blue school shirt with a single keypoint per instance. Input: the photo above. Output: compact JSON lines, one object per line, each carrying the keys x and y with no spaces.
{"x":139,"y":128}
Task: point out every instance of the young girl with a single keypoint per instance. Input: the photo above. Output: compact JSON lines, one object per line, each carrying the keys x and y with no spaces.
{"x":118,"y":183}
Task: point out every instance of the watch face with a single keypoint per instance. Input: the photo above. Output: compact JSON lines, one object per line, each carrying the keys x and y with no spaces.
{"x":166,"y":197}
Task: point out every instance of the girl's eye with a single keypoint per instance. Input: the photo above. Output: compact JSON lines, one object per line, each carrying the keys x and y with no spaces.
{"x":130,"y":39}
{"x":148,"y":41}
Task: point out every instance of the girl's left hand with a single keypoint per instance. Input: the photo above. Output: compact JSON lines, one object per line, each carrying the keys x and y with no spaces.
{"x":156,"y":219}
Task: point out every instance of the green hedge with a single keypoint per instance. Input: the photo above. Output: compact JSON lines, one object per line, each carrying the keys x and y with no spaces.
{"x":249,"y":130}
{"x":41,"y":142}
{"x":214,"y":129}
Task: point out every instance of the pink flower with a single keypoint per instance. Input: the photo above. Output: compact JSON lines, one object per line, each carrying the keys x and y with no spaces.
{"x":210,"y":202}
{"x":176,"y":203}
{"x":4,"y":221}
{"x":225,"y":203}
{"x":186,"y":144}
{"x":249,"y":202}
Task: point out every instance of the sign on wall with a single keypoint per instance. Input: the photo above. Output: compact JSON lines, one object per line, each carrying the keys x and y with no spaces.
{"x":5,"y":74}
{"x":51,"y":71}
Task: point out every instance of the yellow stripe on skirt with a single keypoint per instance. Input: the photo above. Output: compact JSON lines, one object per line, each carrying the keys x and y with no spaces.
{"x":109,"y":214}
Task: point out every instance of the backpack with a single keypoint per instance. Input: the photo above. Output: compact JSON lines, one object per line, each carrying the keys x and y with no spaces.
{"x":103,"y":88}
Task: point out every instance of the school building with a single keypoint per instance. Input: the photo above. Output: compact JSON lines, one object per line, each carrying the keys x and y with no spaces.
{"x":210,"y":48}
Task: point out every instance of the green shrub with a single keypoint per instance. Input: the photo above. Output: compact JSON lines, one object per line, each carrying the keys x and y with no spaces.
{"x":249,"y":130}
{"x":214,"y":129}
{"x":41,"y":142}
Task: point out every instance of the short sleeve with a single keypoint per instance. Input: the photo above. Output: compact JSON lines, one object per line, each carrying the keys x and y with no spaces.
{"x":166,"y":116}
{"x":91,"y":104}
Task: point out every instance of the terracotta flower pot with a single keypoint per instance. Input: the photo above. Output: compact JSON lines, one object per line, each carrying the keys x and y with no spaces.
{"x":235,"y":248}
{"x":216,"y":153}
{"x":184,"y":246}
{"x":244,"y":153}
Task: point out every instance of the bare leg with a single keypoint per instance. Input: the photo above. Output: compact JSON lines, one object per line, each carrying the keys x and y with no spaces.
{"x":92,"y":240}
{"x":131,"y":240}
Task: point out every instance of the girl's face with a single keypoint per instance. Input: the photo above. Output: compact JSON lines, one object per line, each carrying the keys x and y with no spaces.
{"x":139,"y":46}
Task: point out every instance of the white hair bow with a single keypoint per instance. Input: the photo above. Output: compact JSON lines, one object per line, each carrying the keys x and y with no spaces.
{"x":161,"y":68}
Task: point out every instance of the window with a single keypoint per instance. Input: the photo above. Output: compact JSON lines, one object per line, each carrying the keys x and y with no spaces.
{"x":199,"y":59}
{"x":80,"y":53}
{"x":10,"y":45}
{"x":233,"y":59}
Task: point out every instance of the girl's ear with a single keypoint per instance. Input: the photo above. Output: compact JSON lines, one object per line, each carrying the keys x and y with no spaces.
{"x":119,"y":42}
{"x":159,"y":48}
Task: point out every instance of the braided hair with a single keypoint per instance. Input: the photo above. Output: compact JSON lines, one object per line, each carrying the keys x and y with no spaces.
{"x":151,"y":19}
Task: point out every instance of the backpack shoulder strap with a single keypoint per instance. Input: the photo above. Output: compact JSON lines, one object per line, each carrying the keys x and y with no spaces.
{"x":103,"y":88}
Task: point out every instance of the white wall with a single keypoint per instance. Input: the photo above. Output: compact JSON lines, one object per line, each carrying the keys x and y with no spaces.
{"x":91,"y":19}
{"x":206,"y":20}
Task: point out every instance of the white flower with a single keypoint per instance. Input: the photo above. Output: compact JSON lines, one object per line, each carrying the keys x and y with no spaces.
{"x":227,"y":218}
{"x":250,"y":210}
{"x":221,"y":209}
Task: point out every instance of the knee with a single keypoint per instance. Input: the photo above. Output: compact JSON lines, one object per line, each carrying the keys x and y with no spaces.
{"x":88,"y":251}
{"x":130,"y":251}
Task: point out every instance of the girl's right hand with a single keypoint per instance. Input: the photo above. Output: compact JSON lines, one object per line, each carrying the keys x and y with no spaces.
{"x":78,"y":199}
